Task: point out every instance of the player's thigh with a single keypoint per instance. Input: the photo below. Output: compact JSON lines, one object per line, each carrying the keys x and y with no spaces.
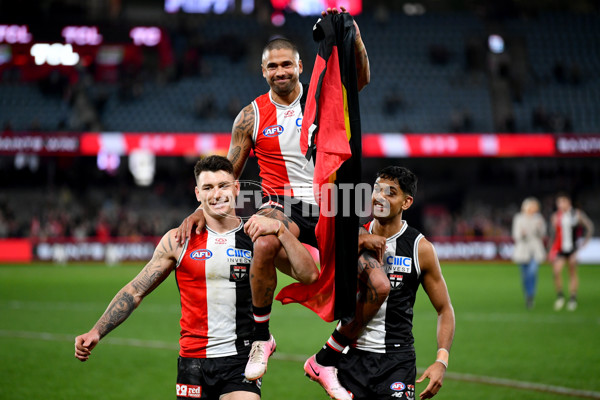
{"x":558,"y":264}
{"x":240,"y":395}
{"x":279,"y":215}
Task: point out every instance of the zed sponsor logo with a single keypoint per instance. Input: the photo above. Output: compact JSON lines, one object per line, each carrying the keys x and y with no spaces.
{"x":273,"y":130}
{"x":220,"y":240}
{"x":203,"y":254}
{"x":192,"y":391}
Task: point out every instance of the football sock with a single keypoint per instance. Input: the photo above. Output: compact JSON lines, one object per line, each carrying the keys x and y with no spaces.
{"x":262,"y":316}
{"x":331,"y":352}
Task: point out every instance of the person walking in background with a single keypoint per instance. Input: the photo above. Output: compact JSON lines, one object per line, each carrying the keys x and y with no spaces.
{"x":528,"y":232}
{"x":564,"y":222}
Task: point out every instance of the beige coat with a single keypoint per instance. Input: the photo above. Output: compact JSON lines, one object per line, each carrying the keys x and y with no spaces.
{"x":528,"y":231}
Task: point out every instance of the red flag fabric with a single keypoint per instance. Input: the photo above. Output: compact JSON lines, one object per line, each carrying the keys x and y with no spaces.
{"x":331,"y":129}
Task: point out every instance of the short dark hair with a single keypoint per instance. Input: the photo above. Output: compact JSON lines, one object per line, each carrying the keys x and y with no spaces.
{"x":405,"y":178}
{"x":213,"y":164}
{"x":281,"y":43}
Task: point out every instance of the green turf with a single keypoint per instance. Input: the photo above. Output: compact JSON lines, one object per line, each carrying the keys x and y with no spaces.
{"x":43,"y":307}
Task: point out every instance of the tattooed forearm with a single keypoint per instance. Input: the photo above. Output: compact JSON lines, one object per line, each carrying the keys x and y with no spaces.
{"x":276,"y":214}
{"x":367,"y":261}
{"x":152,"y":274}
{"x":119,"y":309}
{"x":362,"y":68}
{"x":147,"y":280}
{"x":368,"y":292}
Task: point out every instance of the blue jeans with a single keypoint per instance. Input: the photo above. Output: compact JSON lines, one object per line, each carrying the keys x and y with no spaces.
{"x":529,"y":276}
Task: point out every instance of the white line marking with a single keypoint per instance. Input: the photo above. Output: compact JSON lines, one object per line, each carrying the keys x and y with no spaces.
{"x":457,"y":376}
{"x":552,"y":318}
{"x":89,"y":306}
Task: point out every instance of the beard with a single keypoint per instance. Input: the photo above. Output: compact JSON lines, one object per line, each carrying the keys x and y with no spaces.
{"x":283,"y":90}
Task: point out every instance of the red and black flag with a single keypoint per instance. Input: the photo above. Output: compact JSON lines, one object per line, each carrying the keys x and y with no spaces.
{"x":331,"y":137}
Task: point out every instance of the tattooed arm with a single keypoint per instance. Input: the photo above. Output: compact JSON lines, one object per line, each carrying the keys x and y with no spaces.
{"x":131,"y":295}
{"x":241,"y":139}
{"x":363,"y":69}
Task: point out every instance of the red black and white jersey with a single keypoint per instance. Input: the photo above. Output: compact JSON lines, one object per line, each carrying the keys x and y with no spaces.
{"x":565,"y":224}
{"x":391,"y":327}
{"x":284,"y":169}
{"x":212,"y":276}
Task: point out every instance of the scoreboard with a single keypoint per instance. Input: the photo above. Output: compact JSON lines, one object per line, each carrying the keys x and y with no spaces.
{"x":36,"y":50}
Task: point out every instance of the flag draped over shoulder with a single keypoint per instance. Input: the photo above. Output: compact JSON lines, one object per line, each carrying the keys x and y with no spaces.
{"x":331,"y":135}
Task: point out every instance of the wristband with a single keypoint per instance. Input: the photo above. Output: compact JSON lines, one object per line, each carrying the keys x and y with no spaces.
{"x":441,"y":357}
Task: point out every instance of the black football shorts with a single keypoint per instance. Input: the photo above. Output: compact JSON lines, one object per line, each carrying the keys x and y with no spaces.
{"x":379,"y":376}
{"x":209,"y":378}
{"x":302,"y":214}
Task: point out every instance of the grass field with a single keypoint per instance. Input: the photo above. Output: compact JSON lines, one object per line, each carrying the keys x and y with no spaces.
{"x":501,"y":350}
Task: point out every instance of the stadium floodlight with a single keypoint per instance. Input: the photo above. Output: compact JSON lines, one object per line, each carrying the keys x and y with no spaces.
{"x":496,"y":44}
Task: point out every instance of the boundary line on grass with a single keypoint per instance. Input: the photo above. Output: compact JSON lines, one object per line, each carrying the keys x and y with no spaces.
{"x":457,"y":376}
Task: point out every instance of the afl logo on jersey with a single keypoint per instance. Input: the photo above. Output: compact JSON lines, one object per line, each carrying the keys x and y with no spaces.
{"x":202,"y":254}
{"x":397,"y":386}
{"x":273,"y":130}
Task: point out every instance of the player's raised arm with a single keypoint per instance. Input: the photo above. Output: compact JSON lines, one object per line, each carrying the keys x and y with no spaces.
{"x":435,"y":286}
{"x":363,"y":69}
{"x":241,"y":139}
{"x":131,"y":295}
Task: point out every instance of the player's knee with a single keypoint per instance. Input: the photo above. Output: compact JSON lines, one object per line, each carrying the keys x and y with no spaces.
{"x":310,"y":276}
{"x":266,"y":247}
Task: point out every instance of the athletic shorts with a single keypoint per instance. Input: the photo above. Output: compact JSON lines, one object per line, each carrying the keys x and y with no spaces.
{"x":377,"y":376}
{"x":302,"y":214}
{"x":565,"y":254}
{"x":209,"y":378}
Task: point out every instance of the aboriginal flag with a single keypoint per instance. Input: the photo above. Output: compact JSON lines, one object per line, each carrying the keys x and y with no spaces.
{"x":331,"y":136}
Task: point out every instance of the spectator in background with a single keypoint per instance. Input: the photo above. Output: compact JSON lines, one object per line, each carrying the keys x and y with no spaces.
{"x":565,"y":223}
{"x":528,"y":232}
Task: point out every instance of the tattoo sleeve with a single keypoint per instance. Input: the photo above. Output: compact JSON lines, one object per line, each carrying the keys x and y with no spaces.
{"x":119,"y":309}
{"x":241,"y":139}
{"x":367,"y":291}
{"x":128,"y":298}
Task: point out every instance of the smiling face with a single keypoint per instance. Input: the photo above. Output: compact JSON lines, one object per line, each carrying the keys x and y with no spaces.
{"x":217,"y":192}
{"x":388,"y":200}
{"x":281,"y":68}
